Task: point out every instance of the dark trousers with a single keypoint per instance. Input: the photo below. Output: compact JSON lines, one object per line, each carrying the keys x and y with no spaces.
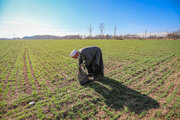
{"x":94,"y":69}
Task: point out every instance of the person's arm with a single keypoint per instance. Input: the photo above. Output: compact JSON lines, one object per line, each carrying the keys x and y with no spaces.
{"x":80,"y":60}
{"x":87,"y":61}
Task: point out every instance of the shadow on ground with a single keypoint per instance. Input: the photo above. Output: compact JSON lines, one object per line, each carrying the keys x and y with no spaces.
{"x":117,"y":96}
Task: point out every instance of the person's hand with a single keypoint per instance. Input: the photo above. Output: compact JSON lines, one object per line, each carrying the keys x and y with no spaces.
{"x":79,"y":67}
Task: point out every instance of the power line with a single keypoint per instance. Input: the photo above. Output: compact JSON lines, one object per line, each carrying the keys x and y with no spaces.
{"x":101,"y":28}
{"x":90,"y":31}
{"x":145,"y":33}
{"x":115,"y":29}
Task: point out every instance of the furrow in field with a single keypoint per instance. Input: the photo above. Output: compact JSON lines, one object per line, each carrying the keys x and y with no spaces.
{"x":167,"y":101}
{"x":5,"y":65}
{"x":125,"y":74}
{"x":21,"y":81}
{"x":50,"y":74}
{"x":47,"y":75}
{"x":12,"y":92}
{"x":8,"y":75}
{"x":111,"y":68}
{"x":41,"y":75}
{"x":152,"y":73}
{"x":16,"y":92}
{"x":64,"y":75}
{"x":7,"y":56}
{"x":32,"y":73}
{"x":51,"y":67}
{"x":61,"y":62}
{"x":117,"y":68}
{"x":28,"y":87}
{"x":61,"y":72}
{"x":5,"y":50}
{"x":156,"y":82}
{"x":134,"y":78}
{"x":38,"y":73}
{"x":6,"y":82}
{"x":44,"y":76}
{"x":169,"y":84}
{"x":142,"y":81}
{"x":167,"y":89}
{"x":78,"y":109}
{"x":63,"y":97}
{"x":147,"y":72}
{"x":67,"y":79}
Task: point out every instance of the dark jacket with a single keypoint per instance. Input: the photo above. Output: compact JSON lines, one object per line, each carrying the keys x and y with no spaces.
{"x":92,"y":55}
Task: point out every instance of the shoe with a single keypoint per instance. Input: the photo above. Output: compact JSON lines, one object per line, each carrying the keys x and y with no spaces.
{"x":90,"y":75}
{"x":97,"y":77}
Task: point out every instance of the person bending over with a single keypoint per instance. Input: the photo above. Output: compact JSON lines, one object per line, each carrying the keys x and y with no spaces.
{"x":93,"y":60}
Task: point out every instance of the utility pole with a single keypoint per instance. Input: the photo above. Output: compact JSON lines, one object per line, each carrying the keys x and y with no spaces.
{"x":90,"y":31}
{"x":167,"y":32}
{"x":101,"y":28}
{"x":145,"y":33}
{"x":115,"y":29}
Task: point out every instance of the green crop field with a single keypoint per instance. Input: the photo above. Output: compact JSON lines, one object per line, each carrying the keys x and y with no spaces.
{"x":142,"y":80}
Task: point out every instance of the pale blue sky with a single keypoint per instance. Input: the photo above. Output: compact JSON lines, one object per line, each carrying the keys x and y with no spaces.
{"x":63,"y":17}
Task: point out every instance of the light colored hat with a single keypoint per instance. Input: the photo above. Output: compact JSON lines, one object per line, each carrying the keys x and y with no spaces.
{"x":73,"y":53}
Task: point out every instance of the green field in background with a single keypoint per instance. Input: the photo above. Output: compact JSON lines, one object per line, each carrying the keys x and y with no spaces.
{"x":142,"y":80}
